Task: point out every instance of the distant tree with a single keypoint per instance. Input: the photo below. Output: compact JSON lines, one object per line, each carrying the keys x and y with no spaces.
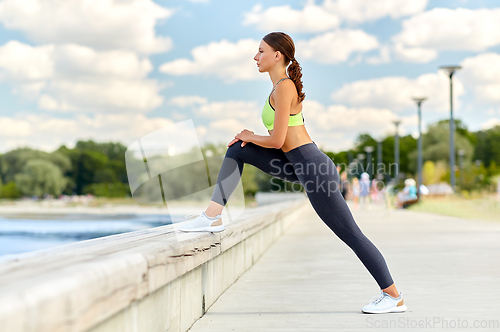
{"x":95,"y":163}
{"x":488,"y":146}
{"x":13,"y":161}
{"x":436,"y":144}
{"x":39,"y":177}
{"x":10,"y":190}
{"x":406,"y":145}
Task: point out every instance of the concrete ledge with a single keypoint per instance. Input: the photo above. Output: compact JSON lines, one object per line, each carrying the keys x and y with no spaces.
{"x":149,"y":280}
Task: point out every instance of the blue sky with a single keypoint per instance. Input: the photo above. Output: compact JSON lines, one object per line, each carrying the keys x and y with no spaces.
{"x":117,"y":70}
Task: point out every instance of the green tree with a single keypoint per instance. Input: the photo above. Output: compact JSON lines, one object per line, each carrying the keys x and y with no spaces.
{"x":13,"y":161}
{"x":40,"y":176}
{"x":10,"y":190}
{"x":436,"y":144}
{"x":95,"y":163}
{"x":488,"y":146}
{"x":406,"y":145}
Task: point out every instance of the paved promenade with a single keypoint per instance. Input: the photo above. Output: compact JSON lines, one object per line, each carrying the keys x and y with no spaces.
{"x":447,"y":268}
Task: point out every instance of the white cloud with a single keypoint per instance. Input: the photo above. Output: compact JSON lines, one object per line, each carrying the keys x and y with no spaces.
{"x":329,"y":15}
{"x":311,"y":18}
{"x":396,"y":92}
{"x":336,"y":46}
{"x":48,"y":133}
{"x":482,"y":74}
{"x":101,"y":95}
{"x":75,"y":60}
{"x":185,"y":101}
{"x":100,"y":24}
{"x":224,"y":130}
{"x":227,"y":60}
{"x":219,"y":110}
{"x":490,"y":123}
{"x":363,"y":11}
{"x":443,"y":29}
{"x":77,"y":78}
{"x":21,"y":62}
{"x":383,"y":57}
{"x":234,"y":109}
{"x":414,"y":54}
{"x":337,"y":126}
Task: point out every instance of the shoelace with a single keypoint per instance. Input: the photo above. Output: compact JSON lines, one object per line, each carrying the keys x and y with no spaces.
{"x":378,"y":298}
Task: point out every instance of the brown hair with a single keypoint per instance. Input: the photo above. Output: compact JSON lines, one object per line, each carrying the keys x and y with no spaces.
{"x":282,"y":42}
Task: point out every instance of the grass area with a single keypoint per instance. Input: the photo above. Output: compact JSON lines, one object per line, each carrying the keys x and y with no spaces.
{"x":485,"y":207}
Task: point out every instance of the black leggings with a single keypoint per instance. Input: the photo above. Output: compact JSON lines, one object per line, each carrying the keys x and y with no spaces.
{"x":317,"y":173}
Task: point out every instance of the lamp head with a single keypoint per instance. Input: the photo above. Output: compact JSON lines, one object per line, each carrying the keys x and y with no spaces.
{"x":419,"y":100}
{"x":450,"y":69}
{"x":369,"y":149}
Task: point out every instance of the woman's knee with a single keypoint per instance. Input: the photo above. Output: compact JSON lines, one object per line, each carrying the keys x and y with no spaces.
{"x":234,"y":149}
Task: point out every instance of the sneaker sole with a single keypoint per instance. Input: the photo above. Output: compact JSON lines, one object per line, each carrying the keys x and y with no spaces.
{"x":401,"y":308}
{"x":212,"y":229}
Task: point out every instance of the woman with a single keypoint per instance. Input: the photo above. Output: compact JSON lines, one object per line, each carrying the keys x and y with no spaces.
{"x":287,"y":153}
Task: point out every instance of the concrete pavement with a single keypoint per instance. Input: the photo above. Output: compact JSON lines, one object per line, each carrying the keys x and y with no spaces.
{"x":447,"y":269}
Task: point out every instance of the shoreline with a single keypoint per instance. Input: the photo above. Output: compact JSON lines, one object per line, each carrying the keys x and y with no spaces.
{"x":48,"y":209}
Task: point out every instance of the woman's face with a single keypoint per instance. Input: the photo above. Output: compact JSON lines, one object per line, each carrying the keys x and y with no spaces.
{"x":265,"y":57}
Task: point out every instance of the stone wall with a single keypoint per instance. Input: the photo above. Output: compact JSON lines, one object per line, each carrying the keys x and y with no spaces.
{"x":150,"y":280}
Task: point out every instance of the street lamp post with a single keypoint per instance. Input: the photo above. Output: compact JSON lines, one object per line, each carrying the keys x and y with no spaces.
{"x":369,"y":150}
{"x":450,"y":70}
{"x":396,"y":150}
{"x":419,"y":101}
{"x":379,"y":154}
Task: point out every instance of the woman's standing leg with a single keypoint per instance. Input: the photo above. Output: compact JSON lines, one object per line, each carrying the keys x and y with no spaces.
{"x":322,"y":189}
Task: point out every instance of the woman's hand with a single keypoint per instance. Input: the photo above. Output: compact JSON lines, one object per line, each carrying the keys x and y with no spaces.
{"x":244,"y":136}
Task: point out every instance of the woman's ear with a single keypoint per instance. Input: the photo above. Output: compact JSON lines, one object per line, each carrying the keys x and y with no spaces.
{"x":277,"y":57}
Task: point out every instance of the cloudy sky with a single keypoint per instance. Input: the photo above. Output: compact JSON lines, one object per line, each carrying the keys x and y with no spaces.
{"x":115,"y":70}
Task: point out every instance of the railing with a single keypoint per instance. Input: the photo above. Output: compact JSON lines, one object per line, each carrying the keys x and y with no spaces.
{"x":149,"y":280}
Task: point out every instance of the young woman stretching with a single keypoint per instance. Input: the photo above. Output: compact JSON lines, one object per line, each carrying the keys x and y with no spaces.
{"x":288,"y":153}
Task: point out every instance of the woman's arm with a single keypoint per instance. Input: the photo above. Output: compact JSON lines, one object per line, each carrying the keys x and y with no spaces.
{"x":283,"y":97}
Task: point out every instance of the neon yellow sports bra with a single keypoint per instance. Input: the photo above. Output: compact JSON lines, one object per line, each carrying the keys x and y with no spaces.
{"x":268,"y":113}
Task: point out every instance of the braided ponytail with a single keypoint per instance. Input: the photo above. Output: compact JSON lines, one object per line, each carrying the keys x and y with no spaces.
{"x":282,"y":42}
{"x":294,"y":71}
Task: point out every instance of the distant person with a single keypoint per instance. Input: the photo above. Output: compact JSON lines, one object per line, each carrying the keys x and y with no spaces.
{"x":364,"y":194}
{"x":287,"y":153}
{"x":408,"y":194}
{"x":376,"y":193}
{"x":356,"y":189}
{"x":344,"y":182}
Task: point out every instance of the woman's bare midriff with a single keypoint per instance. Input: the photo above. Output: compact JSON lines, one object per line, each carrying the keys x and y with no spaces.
{"x":295,"y":137}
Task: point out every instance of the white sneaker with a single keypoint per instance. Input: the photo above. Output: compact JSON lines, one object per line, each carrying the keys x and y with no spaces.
{"x":385,"y":303}
{"x":202,"y":223}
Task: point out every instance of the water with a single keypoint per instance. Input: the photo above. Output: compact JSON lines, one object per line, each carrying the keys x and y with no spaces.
{"x":18,"y":235}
